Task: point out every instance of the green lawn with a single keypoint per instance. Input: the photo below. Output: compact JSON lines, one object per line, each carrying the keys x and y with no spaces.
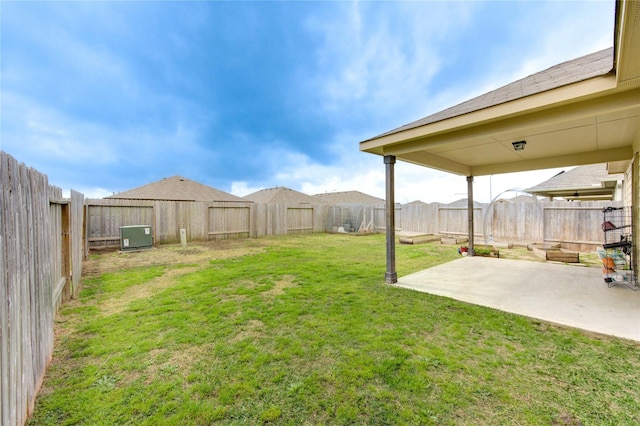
{"x":303,"y":330}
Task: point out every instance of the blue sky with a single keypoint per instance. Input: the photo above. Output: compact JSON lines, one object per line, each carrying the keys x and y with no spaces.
{"x":108,"y":96}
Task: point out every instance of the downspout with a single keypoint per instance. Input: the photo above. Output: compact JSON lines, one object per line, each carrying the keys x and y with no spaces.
{"x":471,"y":251}
{"x":391,"y":276}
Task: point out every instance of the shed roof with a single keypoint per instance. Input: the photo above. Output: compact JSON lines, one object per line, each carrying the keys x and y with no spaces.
{"x":590,"y":182}
{"x":350,"y":197}
{"x":176,"y":188}
{"x":281,"y":195}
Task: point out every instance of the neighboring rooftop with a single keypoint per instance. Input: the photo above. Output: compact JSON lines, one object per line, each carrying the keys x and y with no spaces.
{"x":350,"y":197}
{"x":573,"y":71}
{"x":281,"y":195}
{"x":176,"y":188}
{"x":591,"y":182}
{"x":462,"y":203}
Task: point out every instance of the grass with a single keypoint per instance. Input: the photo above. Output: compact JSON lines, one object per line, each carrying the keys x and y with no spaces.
{"x":302,"y":330}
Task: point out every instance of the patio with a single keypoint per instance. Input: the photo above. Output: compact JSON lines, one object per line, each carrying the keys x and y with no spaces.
{"x":574,"y":296}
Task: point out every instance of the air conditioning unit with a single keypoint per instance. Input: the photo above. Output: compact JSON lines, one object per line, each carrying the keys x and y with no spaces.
{"x":136,"y":237}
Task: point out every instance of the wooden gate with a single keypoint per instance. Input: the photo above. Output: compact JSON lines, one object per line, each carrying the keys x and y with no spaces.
{"x":299,"y":220}
{"x":229,"y":222}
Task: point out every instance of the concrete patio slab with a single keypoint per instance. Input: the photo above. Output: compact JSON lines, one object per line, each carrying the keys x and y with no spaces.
{"x":574,"y":296}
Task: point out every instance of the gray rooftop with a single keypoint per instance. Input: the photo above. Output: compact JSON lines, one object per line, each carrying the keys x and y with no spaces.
{"x":589,"y":176}
{"x":177,"y":188}
{"x":592,"y":181}
{"x":463,"y":203}
{"x":281,"y":195}
{"x":350,"y":197}
{"x":574,"y":71}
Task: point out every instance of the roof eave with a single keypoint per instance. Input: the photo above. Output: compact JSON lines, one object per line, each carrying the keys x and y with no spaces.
{"x":575,"y":92}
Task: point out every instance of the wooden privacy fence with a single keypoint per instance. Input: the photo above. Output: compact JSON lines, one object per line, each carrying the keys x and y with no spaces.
{"x":41,"y":266}
{"x":201,"y":220}
{"x":576,"y":225}
{"x":229,"y":221}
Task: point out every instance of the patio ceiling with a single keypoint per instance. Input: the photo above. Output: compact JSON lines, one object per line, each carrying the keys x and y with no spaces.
{"x":583,"y":111}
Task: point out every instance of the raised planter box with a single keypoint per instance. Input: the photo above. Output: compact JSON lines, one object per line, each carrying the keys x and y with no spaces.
{"x":420,"y":239}
{"x":554,"y":253}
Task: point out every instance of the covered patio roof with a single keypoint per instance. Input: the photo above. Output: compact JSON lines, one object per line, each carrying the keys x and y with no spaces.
{"x":583,"y":111}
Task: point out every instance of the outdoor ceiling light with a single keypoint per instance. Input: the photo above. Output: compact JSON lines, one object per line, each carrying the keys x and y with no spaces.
{"x":519,"y":146}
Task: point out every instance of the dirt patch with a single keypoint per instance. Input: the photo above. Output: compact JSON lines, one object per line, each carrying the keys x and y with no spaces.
{"x":198,"y":253}
{"x":195,"y":257}
{"x":180,"y":362}
{"x":116,"y":305}
{"x":285,"y":282}
{"x":251,"y":329}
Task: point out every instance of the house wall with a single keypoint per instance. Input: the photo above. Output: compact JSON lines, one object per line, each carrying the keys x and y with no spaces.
{"x":634,"y":191}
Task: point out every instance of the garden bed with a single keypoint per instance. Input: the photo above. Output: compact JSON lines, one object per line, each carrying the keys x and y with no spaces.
{"x":554,"y":253}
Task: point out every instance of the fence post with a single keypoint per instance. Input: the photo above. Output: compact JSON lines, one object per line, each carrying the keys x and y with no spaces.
{"x":65,"y":218}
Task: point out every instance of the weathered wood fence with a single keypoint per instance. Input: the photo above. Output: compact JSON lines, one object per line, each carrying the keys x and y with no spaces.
{"x":41,"y":266}
{"x":201,"y":220}
{"x":576,"y":225}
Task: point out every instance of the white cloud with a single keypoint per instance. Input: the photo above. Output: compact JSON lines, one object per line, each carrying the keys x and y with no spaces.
{"x":381,"y":62}
{"x":36,"y":131}
{"x":241,"y":188}
{"x":89,"y":192}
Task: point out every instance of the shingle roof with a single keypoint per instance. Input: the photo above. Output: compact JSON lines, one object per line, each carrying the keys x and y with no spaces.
{"x":350,"y":197}
{"x":584,"y":182}
{"x":576,"y":70}
{"x":462,"y":203}
{"x":590,"y":176}
{"x":281,"y":195}
{"x":176,"y":188}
